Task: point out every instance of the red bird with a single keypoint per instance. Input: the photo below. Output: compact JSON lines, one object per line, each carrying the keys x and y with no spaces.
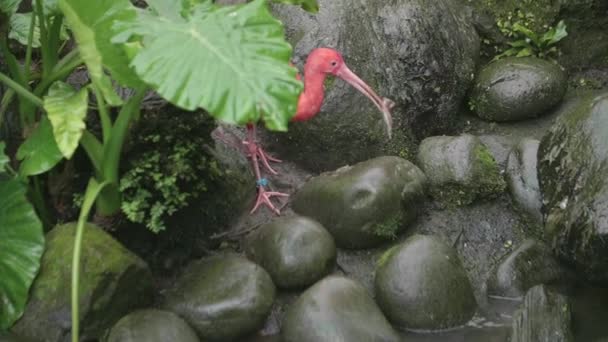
{"x":320,"y":63}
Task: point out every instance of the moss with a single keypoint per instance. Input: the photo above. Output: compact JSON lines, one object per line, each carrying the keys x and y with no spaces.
{"x":387,"y":255}
{"x":453,"y":194}
{"x":389,"y":227}
{"x":487,"y":172}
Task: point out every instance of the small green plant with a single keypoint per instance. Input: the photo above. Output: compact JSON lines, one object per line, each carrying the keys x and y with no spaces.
{"x":528,"y":43}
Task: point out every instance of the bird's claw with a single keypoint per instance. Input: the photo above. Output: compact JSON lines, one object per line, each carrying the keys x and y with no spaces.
{"x":264,"y":157}
{"x":264,"y":199}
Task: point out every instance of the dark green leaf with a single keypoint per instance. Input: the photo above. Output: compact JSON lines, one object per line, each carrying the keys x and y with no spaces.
{"x":9,"y":6}
{"x":232,"y":61}
{"x":524,"y":52}
{"x":308,"y":5}
{"x":39,"y":153}
{"x":555,"y":34}
{"x":21,"y":247}
{"x":92,"y":25}
{"x":3,"y":158}
{"x":67,"y":110}
{"x":517,"y":27}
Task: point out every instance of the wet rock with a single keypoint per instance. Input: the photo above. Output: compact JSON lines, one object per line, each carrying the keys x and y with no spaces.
{"x":113,"y":282}
{"x":517,"y":88}
{"x":296,"y":251}
{"x":532,"y":263}
{"x":522,"y":178}
{"x":152,"y":326}
{"x":573,"y":175}
{"x":421,"y":284}
{"x":459,"y":169}
{"x":222,"y":297}
{"x":336,"y":309}
{"x":545,"y":317}
{"x":364,"y":204}
{"x":419,"y":53}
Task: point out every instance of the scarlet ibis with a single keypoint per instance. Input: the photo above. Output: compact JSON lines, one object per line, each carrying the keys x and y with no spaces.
{"x":320,"y":63}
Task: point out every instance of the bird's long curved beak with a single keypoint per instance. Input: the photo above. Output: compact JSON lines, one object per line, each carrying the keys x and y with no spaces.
{"x":384,"y":105}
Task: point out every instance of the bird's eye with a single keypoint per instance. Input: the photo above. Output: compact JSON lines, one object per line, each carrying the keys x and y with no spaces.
{"x":334,"y":63}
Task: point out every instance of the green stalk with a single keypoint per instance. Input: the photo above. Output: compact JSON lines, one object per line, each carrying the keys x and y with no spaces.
{"x":93,"y":149}
{"x":28,"y":52}
{"x":62,"y":70}
{"x":53,"y":43}
{"x":44,"y":46}
{"x":21,"y":91}
{"x":104,"y":116}
{"x":39,"y":202}
{"x":93,"y":189}
{"x":9,"y":94}
{"x":11,"y":62}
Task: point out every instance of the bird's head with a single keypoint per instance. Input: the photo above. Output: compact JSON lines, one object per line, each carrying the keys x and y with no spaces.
{"x":330,"y":62}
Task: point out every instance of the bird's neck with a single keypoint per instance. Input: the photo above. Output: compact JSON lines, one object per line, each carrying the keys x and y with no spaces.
{"x":311,"y":99}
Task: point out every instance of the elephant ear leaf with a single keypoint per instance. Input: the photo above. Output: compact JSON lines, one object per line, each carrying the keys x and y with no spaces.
{"x":233,"y":61}
{"x":39,"y":153}
{"x":21,"y":248}
{"x":308,"y":5}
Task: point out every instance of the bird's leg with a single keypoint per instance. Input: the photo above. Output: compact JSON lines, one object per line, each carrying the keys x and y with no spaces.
{"x":261,"y":183}
{"x":255,"y":149}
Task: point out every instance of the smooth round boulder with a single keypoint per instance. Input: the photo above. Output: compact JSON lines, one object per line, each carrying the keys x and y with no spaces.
{"x":336,"y":309}
{"x":222,"y":297}
{"x":513,"y":88}
{"x":531,"y":264}
{"x":422,"y":285}
{"x":573,"y":174}
{"x":152,"y":325}
{"x":296,"y":251}
{"x":421,"y":54}
{"x":460,"y":169}
{"x":364,"y":204}
{"x":522,"y":178}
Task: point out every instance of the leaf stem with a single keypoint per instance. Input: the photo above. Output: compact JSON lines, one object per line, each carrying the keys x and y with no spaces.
{"x":26,"y":94}
{"x":28,"y":51}
{"x":44,"y":46}
{"x":106,"y":121}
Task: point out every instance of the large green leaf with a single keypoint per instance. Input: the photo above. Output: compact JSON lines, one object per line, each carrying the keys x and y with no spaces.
{"x":66,"y":109}
{"x":9,"y":6}
{"x":39,"y":153}
{"x":92,"y":25}
{"x":308,"y":5}
{"x":232,"y":61}
{"x":21,"y":247}
{"x":20,"y":28}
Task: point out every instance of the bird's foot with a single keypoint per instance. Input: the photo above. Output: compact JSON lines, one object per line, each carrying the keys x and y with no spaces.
{"x":265,"y":196}
{"x":256,"y":150}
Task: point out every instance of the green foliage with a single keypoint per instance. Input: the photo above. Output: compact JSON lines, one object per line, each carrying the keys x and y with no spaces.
{"x":308,"y":5}
{"x":39,"y":153}
{"x":19,"y":29}
{"x":66,"y":109}
{"x":21,"y":247}
{"x":528,"y":43}
{"x":167,"y":169}
{"x":4,"y":161}
{"x":233,"y":61}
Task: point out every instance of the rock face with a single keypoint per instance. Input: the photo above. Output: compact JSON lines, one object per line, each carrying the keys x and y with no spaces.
{"x":421,"y":284}
{"x":419,"y":53}
{"x":545,"y":317}
{"x":573,"y":171}
{"x":336,"y":309}
{"x":459,"y":169}
{"x":113,"y":282}
{"x":152,"y":326}
{"x":530,"y":264}
{"x":296,"y":251}
{"x":517,"y":88}
{"x":522,"y":178}
{"x":364,"y":204}
{"x":222,"y":297}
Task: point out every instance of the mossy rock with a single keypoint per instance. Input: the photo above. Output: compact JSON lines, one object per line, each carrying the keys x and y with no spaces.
{"x":152,"y":325}
{"x":421,"y":284}
{"x":424,"y":64}
{"x":223,"y":297}
{"x":537,"y":14}
{"x":513,"y":88}
{"x":336,"y":309}
{"x":113,"y":282}
{"x":459,"y":169}
{"x":364,"y":204}
{"x":296,"y":251}
{"x":573,"y":174}
{"x":522,"y":178}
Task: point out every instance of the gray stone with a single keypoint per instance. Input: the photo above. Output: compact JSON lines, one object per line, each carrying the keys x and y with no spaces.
{"x":459,"y":169}
{"x":113,"y":282}
{"x":421,"y":284}
{"x":222,"y":297}
{"x":545,"y":317}
{"x":336,"y":309}
{"x":522,"y":178}
{"x":532,"y":263}
{"x":419,"y":53}
{"x":296,"y":251}
{"x":364,"y":204}
{"x":517,"y":88}
{"x":573,"y":174}
{"x":152,"y":325}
